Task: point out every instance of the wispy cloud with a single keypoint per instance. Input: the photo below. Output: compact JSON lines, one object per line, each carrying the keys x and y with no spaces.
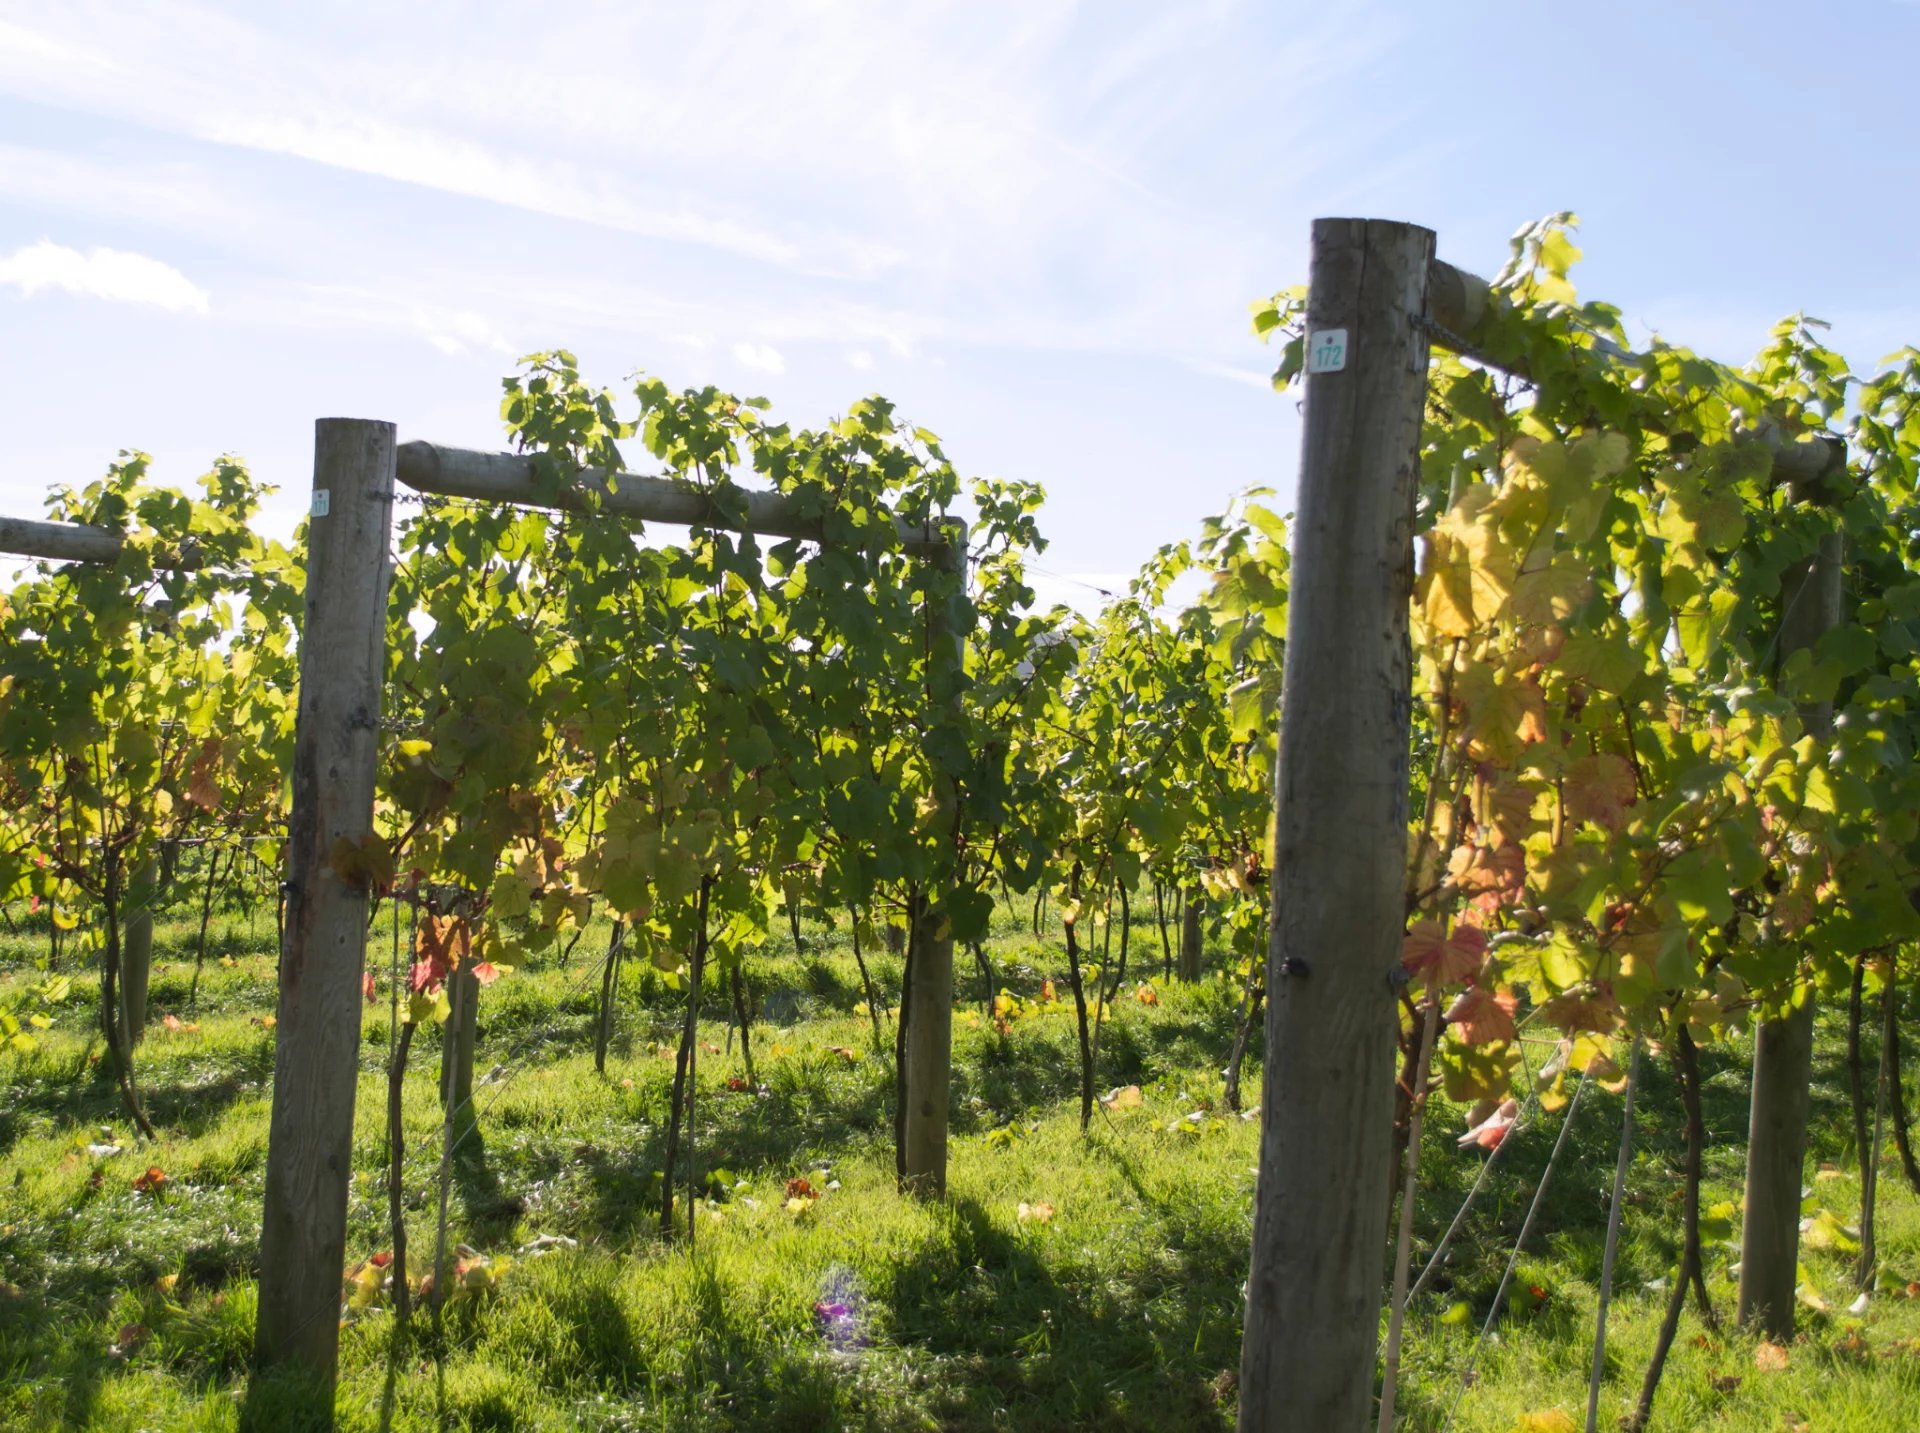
{"x":111,"y":274}
{"x":760,"y":357}
{"x":1001,"y":181}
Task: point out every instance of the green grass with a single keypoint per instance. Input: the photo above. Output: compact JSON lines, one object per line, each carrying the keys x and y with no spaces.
{"x":1121,"y":1312}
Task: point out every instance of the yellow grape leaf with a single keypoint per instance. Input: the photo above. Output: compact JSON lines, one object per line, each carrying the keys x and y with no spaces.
{"x":1506,"y":712}
{"x":1127,"y":1097}
{"x":1551,"y":593}
{"x":1547,"y":1420}
{"x":1607,"y":661}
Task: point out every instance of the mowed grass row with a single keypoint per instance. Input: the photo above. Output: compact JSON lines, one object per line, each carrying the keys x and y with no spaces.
{"x":1113,"y":1303}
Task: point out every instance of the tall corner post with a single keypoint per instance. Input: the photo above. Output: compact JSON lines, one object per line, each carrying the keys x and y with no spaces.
{"x":1783,"y":1045}
{"x":929,"y":1009}
{"x":1314,"y":1291}
{"x":317,"y":1035}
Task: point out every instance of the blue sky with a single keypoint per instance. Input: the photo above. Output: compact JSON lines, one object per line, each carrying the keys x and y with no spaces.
{"x":1035,"y":226}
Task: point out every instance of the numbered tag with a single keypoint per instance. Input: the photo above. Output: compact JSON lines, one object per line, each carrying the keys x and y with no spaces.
{"x":1327,"y":350}
{"x":322,"y":502}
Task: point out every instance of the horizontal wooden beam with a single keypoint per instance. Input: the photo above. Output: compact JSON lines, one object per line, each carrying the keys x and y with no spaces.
{"x":509,"y":478}
{"x":1459,"y":302}
{"x":78,"y":542}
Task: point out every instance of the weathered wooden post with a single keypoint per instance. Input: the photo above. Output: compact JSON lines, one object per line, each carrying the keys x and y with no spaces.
{"x":1783,"y":1046}
{"x":458,"y":1038}
{"x":1192,"y":909}
{"x":928,"y":1008}
{"x":136,"y":949}
{"x":1339,"y":877}
{"x":336,"y":744}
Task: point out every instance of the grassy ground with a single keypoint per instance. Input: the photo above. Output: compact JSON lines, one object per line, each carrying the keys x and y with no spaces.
{"x":1120,"y":1311}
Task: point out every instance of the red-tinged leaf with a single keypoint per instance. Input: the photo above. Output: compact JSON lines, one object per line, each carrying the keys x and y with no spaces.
{"x":172,"y":1022}
{"x":1445,"y":959}
{"x":381,"y":1260}
{"x":152,"y":1182}
{"x":800,"y":1188}
{"x":486,"y":972}
{"x":366,"y":987}
{"x":1493,"y":875}
{"x":1047,"y":991}
{"x":1482,"y":1017}
{"x":1600,"y":788}
{"x":1488,"y":1132}
{"x":130,"y":1337}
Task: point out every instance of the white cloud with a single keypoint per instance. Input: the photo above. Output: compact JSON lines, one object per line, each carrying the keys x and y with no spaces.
{"x":761,"y":357}
{"x":1232,"y":372}
{"x":112,"y":274}
{"x":458,"y":332}
{"x":859,"y":358}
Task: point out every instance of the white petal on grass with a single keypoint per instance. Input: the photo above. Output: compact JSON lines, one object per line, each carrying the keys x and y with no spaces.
{"x":761,"y":357}
{"x":112,"y":274}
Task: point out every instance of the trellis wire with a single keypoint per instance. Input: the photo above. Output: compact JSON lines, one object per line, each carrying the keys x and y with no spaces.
{"x":1513,"y":1260}
{"x":1614,"y":1210}
{"x":1403,"y":1249}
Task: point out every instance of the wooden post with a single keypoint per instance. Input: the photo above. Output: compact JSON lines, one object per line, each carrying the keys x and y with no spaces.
{"x":1192,"y":909}
{"x":1783,"y":1047}
{"x":1340,"y":791}
{"x":458,"y":1037}
{"x":336,"y":745}
{"x":928,"y":1009}
{"x":136,"y":949}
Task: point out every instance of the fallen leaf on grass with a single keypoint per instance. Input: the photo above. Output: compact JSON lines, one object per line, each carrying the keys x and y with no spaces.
{"x":1547,"y":1420}
{"x":1147,"y":995}
{"x":154,"y":1181}
{"x":130,"y":1337}
{"x":1770,"y":1357}
{"x":1037,"y":1213}
{"x":1126,"y":1097}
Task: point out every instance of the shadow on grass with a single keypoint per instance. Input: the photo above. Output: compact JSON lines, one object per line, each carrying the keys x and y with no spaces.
{"x":1043,"y":1348}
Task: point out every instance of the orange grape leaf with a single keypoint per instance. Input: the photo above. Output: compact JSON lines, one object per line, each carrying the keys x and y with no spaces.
{"x":1444,"y":958}
{"x":1769,"y":1357}
{"x":1482,"y":1017}
{"x":1036,"y":1213}
{"x":1484,"y":871}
